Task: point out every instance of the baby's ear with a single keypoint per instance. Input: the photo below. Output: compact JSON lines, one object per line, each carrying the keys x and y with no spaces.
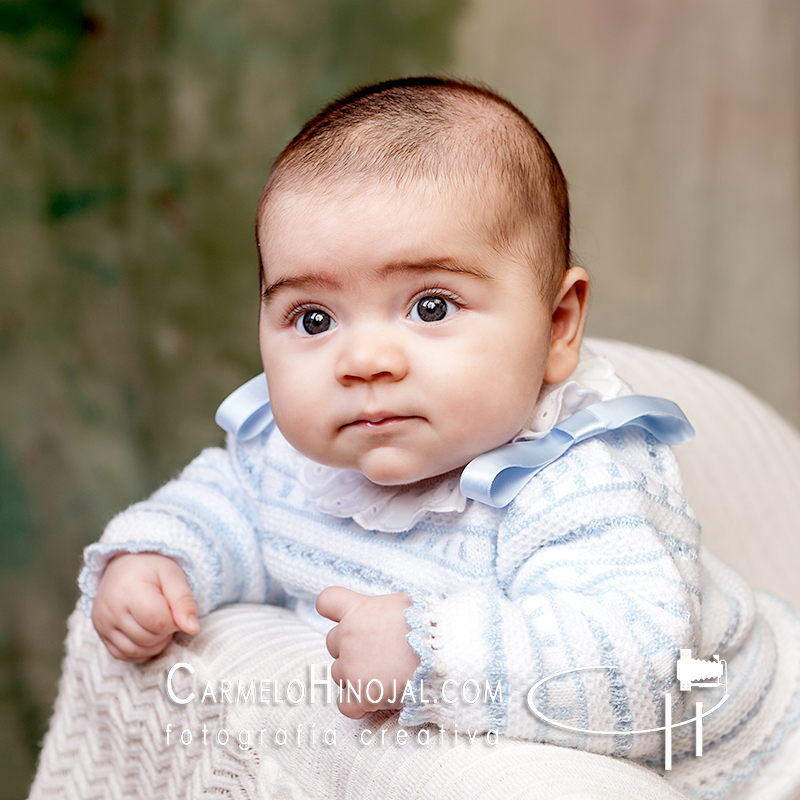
{"x":569,"y":317}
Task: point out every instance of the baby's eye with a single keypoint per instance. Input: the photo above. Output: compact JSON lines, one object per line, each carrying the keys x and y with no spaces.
{"x":314,"y":321}
{"x":432,"y":308}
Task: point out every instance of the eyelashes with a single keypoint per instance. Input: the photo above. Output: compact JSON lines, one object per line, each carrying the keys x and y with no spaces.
{"x":308,"y":319}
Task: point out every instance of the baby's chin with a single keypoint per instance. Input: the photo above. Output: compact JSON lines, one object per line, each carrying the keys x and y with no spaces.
{"x":397,"y":467}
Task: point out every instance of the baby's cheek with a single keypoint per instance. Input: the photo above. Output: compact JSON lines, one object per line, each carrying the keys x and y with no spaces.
{"x":299,"y":435}
{"x":287,"y":416}
{"x":303,"y":427}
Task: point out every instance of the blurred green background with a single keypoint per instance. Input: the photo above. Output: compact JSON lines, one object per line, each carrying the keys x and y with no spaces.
{"x":135,"y":138}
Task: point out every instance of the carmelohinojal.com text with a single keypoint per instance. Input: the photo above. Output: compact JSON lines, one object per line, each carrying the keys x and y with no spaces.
{"x":297,"y":691}
{"x":322,"y":688}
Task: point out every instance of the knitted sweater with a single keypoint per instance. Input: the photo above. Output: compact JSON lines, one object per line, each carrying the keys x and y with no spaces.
{"x":595,"y":563}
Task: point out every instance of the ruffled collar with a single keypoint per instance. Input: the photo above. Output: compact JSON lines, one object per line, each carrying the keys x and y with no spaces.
{"x":594,"y":379}
{"x":392,"y":509}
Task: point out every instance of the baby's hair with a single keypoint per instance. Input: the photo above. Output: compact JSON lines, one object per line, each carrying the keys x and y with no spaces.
{"x":460,"y":134}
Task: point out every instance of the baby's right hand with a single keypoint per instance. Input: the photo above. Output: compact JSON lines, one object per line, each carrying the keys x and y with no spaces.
{"x":142,"y":599}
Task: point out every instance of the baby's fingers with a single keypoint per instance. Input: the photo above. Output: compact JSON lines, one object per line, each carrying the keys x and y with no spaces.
{"x":352,"y":710}
{"x":138,"y":645}
{"x":348,"y":701}
{"x":336,"y":602}
{"x":178,"y":596}
{"x":184,"y":612}
{"x":150,"y":611}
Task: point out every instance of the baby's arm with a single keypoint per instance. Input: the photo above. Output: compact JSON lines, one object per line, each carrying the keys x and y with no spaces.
{"x":142,"y":599}
{"x":204,"y":525}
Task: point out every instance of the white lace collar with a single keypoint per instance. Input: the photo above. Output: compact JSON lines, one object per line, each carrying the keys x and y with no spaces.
{"x":392,"y":509}
{"x":593,"y":379}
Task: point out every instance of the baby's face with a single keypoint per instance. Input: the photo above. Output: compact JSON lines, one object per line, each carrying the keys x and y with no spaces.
{"x":397,"y":341}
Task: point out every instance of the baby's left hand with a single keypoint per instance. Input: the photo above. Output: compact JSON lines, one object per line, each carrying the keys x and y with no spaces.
{"x":369,"y":644}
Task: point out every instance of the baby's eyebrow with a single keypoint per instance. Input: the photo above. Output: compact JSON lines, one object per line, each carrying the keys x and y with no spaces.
{"x":311,"y":280}
{"x":322,"y":280}
{"x":444,"y":264}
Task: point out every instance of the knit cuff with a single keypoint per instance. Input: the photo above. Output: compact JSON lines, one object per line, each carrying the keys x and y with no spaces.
{"x":97,"y":556}
{"x":141,"y":531}
{"x":418,"y":617}
{"x":452,"y":686}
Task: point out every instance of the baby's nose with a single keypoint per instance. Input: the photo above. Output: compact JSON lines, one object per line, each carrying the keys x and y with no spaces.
{"x":370,"y":355}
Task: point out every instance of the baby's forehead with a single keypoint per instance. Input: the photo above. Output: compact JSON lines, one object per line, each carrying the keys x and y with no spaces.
{"x":345,"y":233}
{"x":427,"y":220}
{"x":476,"y":198}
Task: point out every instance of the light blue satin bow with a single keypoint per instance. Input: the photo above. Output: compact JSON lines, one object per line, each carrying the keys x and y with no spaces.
{"x":495,"y":478}
{"x":245,"y":412}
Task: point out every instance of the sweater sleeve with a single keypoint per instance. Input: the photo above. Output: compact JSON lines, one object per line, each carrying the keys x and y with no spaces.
{"x":596,"y":567}
{"x":204,"y":519}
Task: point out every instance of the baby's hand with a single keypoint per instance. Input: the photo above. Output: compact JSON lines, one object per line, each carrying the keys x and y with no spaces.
{"x":369,"y":643}
{"x":143,"y":598}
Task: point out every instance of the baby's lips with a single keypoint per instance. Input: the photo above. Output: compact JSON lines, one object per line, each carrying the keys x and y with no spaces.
{"x":380,"y":418}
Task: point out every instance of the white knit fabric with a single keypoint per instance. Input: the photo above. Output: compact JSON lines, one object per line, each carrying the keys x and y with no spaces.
{"x":92,"y":741}
{"x":740,"y":473}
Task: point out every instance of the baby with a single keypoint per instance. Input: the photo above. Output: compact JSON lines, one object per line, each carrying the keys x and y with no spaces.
{"x":421,"y":324}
